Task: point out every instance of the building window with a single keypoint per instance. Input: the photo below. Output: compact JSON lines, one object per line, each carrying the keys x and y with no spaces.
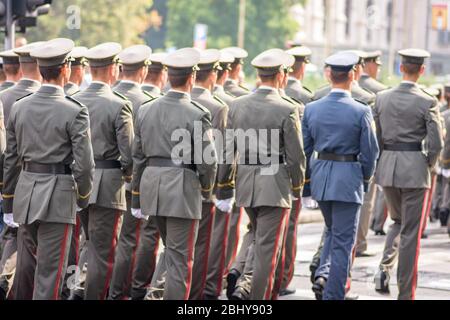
{"x":348,"y":15}
{"x":389,"y":21}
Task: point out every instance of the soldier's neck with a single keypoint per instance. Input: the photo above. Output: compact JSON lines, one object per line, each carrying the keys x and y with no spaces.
{"x":411,"y":78}
{"x":58,"y":82}
{"x":106,"y":80}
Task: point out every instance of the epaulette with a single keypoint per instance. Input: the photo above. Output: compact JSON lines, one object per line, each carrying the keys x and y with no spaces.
{"x":75,"y":101}
{"x":220,"y":101}
{"x":148,"y":94}
{"x":242,"y":87}
{"x":150,"y":100}
{"x":306,"y":89}
{"x":230,"y":94}
{"x":120,"y":95}
{"x":288,"y":99}
{"x":198,"y":105}
{"x":427,"y":93}
{"x":25,"y":96}
{"x":362,"y":102}
{"x":297,"y":101}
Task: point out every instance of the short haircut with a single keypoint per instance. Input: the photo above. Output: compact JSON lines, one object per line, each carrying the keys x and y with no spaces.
{"x":96,"y":71}
{"x":411,"y":68}
{"x":297,"y":65}
{"x":153,"y":75}
{"x":203,"y":75}
{"x":51,"y":73}
{"x":339,"y":77}
{"x":221,"y":73}
{"x":12,"y":69}
{"x":267,"y":78}
{"x":179,"y":80}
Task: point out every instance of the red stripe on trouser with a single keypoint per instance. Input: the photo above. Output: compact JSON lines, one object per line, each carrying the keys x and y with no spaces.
{"x":282,"y":261}
{"x":236,"y":241}
{"x":419,"y":236}
{"x":190,"y":262}
{"x":77,"y":239}
{"x":274,"y":256}
{"x":133,"y":255}
{"x":61,"y":263}
{"x":223,"y":255}
{"x":111,"y":257}
{"x":212,"y":212}
{"x":294,"y":243}
{"x":348,"y":285}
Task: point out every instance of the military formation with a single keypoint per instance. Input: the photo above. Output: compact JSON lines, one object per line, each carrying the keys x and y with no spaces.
{"x":132,"y":183}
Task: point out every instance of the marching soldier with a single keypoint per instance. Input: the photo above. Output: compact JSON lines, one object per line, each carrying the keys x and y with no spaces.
{"x":206,"y":78}
{"x":147,"y":250}
{"x":257,"y":175}
{"x":226,"y":60}
{"x":48,"y":168}
{"x":232,"y":85}
{"x":77,"y":67}
{"x":349,"y":153}
{"x":406,"y":117}
{"x":134,"y":61}
{"x":112,"y":135}
{"x":171,"y":175}
{"x":295,"y":88}
{"x":368,"y":79}
{"x":11,"y":68}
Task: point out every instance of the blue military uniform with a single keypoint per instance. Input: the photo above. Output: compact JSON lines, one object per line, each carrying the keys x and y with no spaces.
{"x":341,"y":131}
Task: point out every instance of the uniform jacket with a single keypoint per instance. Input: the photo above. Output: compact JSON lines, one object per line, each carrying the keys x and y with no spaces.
{"x":297,"y":91}
{"x":300,"y":105}
{"x":134,"y":93}
{"x":47,"y":128}
{"x":232,"y":87}
{"x":445,"y":161}
{"x":358,"y":93}
{"x":6,"y":85}
{"x":338,"y":124}
{"x":256,"y":186}
{"x":219,"y":91}
{"x":151,"y":90}
{"x":406,"y":114}
{"x":112,"y":136}
{"x":71,"y":88}
{"x":370,"y":84}
{"x":168,"y":191}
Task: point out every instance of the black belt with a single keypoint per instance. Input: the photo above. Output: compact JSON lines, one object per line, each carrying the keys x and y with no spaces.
{"x":55,"y":168}
{"x":107,"y":164}
{"x":338,"y":158}
{"x":168,"y":163}
{"x":267,"y":162}
{"x":408,"y":147}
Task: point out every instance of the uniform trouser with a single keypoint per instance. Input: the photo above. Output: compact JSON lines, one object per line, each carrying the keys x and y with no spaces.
{"x":439,"y":193}
{"x":291,"y":244}
{"x":125,"y":254}
{"x":218,"y":252}
{"x":315,"y":263}
{"x":146,"y":255}
{"x":407,"y":208}
{"x":9,"y":246}
{"x":43,"y":249}
{"x":180,"y":236}
{"x":103,"y":229}
{"x":269,"y":233}
{"x":341,"y":220}
{"x":380,"y":211}
{"x":233,"y":237}
{"x":159,"y":278}
{"x":202,"y":249}
{"x":241,"y":258}
{"x":72,"y":260}
{"x":364,"y":219}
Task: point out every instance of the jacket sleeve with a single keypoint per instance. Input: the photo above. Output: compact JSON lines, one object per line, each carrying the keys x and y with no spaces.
{"x":379,"y":133}
{"x":308,"y":145}
{"x":368,"y":147}
{"x":139,"y":161}
{"x":295,"y":156}
{"x":124,"y":133}
{"x":446,"y":151}
{"x":2,"y":143}
{"x":434,"y":134}
{"x":11,"y":166}
{"x":206,"y":167}
{"x":83,"y":167}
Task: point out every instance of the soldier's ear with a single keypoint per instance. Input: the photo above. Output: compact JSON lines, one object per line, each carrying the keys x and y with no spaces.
{"x":422,"y":70}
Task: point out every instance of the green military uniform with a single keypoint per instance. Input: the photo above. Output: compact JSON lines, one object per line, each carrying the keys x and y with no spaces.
{"x":111,"y":134}
{"x":169,"y":189}
{"x":446,"y":165}
{"x":232,"y":86}
{"x":48,"y":136}
{"x":132,"y":59}
{"x":11,"y":58}
{"x":405,"y":117}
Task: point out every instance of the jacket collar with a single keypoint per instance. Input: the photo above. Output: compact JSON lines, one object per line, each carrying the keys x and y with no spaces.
{"x":99,"y":87}
{"x":51,"y":90}
{"x":199,"y":91}
{"x":178,"y":95}
{"x":28,"y":83}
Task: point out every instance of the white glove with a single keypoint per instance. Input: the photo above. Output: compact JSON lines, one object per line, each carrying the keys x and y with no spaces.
{"x":309,"y":203}
{"x":446,"y":173}
{"x":225,"y":205}
{"x":8,"y":219}
{"x":137,"y":213}
{"x":79,"y":209}
{"x":438,"y":170}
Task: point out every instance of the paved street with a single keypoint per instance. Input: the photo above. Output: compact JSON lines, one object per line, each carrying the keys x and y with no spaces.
{"x":434,"y":265}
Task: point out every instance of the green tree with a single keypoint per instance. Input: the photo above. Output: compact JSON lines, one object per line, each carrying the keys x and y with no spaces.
{"x":100,"y":21}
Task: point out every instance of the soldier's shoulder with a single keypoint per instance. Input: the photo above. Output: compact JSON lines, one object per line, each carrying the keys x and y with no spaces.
{"x":24,"y":97}
{"x":198,"y":109}
{"x":362,"y":106}
{"x":426,"y":96}
{"x":120,"y":96}
{"x":307,"y":90}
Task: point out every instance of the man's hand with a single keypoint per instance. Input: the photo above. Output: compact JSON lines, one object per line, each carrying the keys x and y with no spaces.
{"x":8,"y":219}
{"x":137,"y":213}
{"x":225,"y":205}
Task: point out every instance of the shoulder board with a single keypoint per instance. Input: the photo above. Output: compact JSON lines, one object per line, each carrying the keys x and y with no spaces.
{"x":424,"y":91}
{"x":220,"y":101}
{"x":288,"y":99}
{"x":362,"y":102}
{"x":230,"y":94}
{"x":242,"y":87}
{"x":368,"y":91}
{"x":297,"y":101}
{"x":198,"y":105}
{"x":25,"y":96}
{"x":150,"y":100}
{"x":75,"y":101}
{"x":149,"y":95}
{"x":120,"y":95}
{"x":306,"y":89}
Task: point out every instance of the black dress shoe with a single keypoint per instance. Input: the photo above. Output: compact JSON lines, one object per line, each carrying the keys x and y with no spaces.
{"x":443,"y":217}
{"x":424,"y":235}
{"x":287,"y":292}
{"x":210,"y":298}
{"x":382,"y":282}
{"x":232,"y":279}
{"x":380,"y":233}
{"x":313,"y":268}
{"x":240,"y":294}
{"x":319,"y":287}
{"x":364,"y":255}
